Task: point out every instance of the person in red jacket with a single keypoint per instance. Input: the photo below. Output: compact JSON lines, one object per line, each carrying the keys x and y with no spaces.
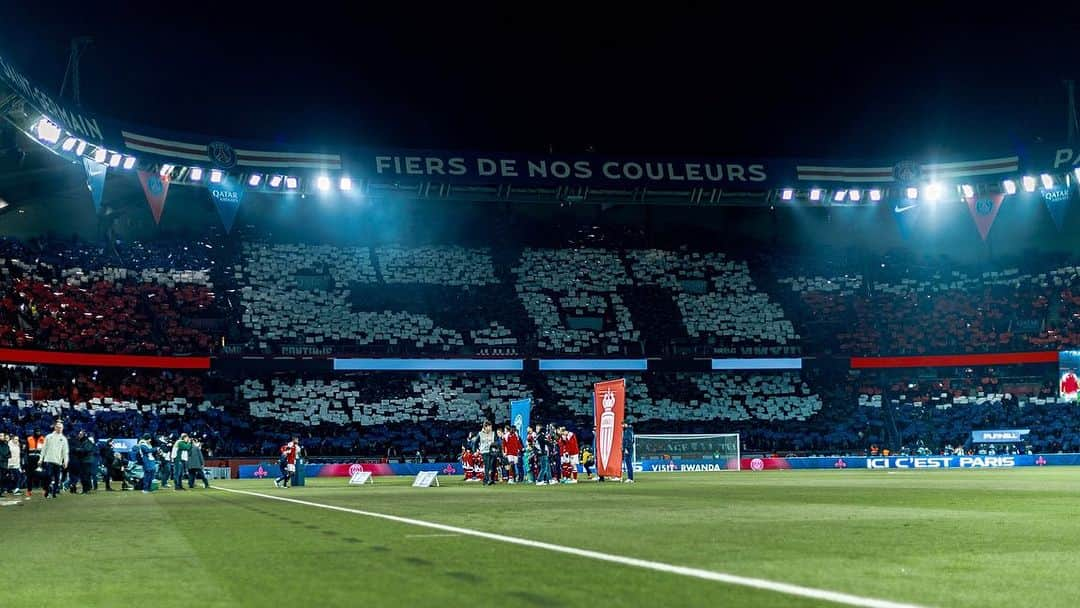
{"x":512,"y":448}
{"x":1069,"y":386}
{"x":568,"y":446}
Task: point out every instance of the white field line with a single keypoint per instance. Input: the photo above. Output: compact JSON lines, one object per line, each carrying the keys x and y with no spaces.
{"x":835,"y":597}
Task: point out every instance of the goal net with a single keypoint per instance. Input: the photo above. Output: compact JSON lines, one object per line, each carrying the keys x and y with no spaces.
{"x":687,"y":452}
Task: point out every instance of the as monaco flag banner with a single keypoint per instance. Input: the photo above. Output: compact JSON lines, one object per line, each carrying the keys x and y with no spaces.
{"x":156,"y":188}
{"x":984,"y":210}
{"x":609,"y":399}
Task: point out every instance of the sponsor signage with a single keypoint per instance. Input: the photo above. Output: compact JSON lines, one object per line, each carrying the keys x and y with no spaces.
{"x":999,"y":436}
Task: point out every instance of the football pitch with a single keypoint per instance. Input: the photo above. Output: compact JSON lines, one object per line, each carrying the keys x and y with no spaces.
{"x":926,"y":538}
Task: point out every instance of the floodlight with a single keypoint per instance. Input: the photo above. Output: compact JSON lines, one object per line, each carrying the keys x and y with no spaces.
{"x":99,"y":156}
{"x":912,"y":193}
{"x":166,"y":169}
{"x":933,"y":192}
{"x":1029,"y":183}
{"x":323,"y":183}
{"x":275,"y":181}
{"x":254,"y":180}
{"x":47,"y":131}
{"x":291,"y":182}
{"x":215,"y":176}
{"x":114,"y":160}
{"x":815,"y":194}
{"x":838,"y":196}
{"x":1047,"y":180}
{"x":1009,"y":185}
{"x":79,"y":149}
{"x":967,"y":190}
{"x":345,"y":184}
{"x":196,"y":174}
{"x":69,"y":143}
{"x":875,"y":195}
{"x":854,"y":195}
{"x":787,"y":194}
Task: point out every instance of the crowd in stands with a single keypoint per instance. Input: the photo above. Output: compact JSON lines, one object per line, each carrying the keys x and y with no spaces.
{"x":936,"y":311}
{"x":127,"y":299}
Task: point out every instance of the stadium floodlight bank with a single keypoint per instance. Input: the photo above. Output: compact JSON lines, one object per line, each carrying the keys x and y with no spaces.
{"x":673,"y":453}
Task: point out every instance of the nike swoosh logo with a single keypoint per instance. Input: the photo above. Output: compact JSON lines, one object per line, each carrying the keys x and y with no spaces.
{"x":899,"y":209}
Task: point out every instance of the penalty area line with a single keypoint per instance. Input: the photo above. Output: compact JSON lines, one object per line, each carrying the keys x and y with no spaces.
{"x":835,"y":597}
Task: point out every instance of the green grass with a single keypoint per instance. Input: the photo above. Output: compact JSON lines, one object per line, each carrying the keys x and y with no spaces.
{"x":944,"y":538}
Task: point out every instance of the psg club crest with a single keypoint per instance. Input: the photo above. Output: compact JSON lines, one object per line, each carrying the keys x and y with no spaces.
{"x":607,"y":426}
{"x":356,"y":468}
{"x":153,"y":183}
{"x":984,"y":207}
{"x":906,"y":171}
{"x":222,"y":154}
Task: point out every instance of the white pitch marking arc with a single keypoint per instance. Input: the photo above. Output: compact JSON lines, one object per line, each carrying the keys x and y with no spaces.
{"x":835,"y":597}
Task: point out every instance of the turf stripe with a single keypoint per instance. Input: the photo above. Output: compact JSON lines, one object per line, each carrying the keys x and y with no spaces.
{"x":835,"y":597}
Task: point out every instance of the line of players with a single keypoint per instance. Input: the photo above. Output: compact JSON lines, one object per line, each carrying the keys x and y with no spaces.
{"x":548,"y":456}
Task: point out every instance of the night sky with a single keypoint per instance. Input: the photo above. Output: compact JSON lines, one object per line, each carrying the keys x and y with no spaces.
{"x":714,"y":82}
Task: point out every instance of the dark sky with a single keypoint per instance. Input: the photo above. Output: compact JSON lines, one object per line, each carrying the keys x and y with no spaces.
{"x":719,"y":81}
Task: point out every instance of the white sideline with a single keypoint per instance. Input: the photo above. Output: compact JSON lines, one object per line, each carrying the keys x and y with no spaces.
{"x":835,"y":597}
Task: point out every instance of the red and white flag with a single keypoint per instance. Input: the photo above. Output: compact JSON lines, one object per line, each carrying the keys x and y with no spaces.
{"x":609,"y":399}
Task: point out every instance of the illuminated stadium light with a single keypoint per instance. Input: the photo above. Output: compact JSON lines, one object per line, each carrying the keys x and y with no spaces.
{"x":69,"y":143}
{"x":1009,"y":186}
{"x":815,"y":194}
{"x":345,"y":184}
{"x":912,"y":193}
{"x":787,"y":194}
{"x":291,"y":183}
{"x":129,"y":162}
{"x":166,"y":169}
{"x":855,"y":195}
{"x":275,"y":181}
{"x":1047,"y":180}
{"x":79,"y":149}
{"x":215,"y":176}
{"x":1076,"y":172}
{"x":114,"y":160}
{"x":99,"y":156}
{"x":254,"y":180}
{"x":323,"y":183}
{"x":967,"y":190}
{"x":875,"y":195}
{"x":838,"y":196}
{"x":933,"y":192}
{"x":47,"y":131}
{"x":1029,"y":183}
{"x":196,"y":174}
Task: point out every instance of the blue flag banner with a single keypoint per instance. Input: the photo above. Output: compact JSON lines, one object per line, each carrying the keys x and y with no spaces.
{"x":95,"y":181}
{"x":519,"y":415}
{"x":1057,"y":201}
{"x":907,"y":215}
{"x":227,"y":196}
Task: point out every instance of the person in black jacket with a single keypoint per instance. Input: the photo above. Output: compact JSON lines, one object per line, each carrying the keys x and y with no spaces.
{"x":108,"y":458}
{"x":82,"y":459}
{"x":5,"y":454}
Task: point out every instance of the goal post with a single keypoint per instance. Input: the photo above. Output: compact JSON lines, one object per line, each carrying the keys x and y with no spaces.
{"x":668,"y":453}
